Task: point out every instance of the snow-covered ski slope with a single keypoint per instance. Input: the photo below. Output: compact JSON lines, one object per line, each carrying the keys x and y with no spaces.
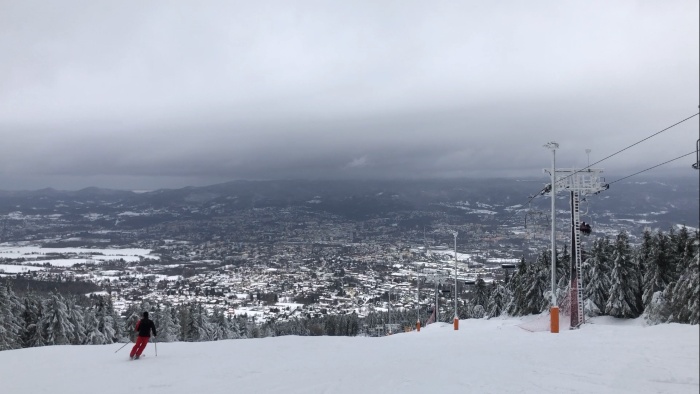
{"x":484,"y":356}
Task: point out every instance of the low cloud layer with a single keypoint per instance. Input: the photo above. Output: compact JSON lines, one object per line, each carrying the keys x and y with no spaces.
{"x":168,"y":94}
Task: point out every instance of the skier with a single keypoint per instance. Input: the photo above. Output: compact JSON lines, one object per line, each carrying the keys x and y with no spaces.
{"x":143,"y":327}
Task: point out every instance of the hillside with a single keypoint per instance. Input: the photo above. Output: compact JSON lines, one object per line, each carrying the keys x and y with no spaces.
{"x":484,"y":356}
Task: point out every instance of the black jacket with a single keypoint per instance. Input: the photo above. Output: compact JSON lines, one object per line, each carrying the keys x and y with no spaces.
{"x":144,"y":327}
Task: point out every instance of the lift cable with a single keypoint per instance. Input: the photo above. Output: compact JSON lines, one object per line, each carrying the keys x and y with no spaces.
{"x":545,"y":189}
{"x":651,"y":168}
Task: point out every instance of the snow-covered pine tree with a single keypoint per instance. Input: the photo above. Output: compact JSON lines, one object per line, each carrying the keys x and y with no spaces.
{"x":477,"y":312}
{"x":104,"y":319}
{"x":683,"y":246}
{"x":56,"y":321}
{"x":128,"y":330}
{"x":199,"y":328}
{"x":330,"y":325}
{"x":643,"y":256}
{"x":76,"y":318}
{"x":175,"y":316}
{"x":659,"y":309}
{"x":596,"y":276}
{"x":254,"y":329}
{"x":146,"y":306}
{"x":624,"y":290}
{"x":244,"y":327}
{"x":497,"y":300}
{"x":220,"y":325}
{"x":168,"y":329}
{"x":266,"y":329}
{"x":156,"y":314}
{"x":351,"y":323}
{"x":465,"y":310}
{"x":660,"y":268}
{"x":32,"y":334}
{"x":685,"y":294}
{"x":343,"y":324}
{"x":92,"y":334}
{"x":538,"y":285}
{"x":10,"y":323}
{"x":184,"y":317}
{"x":563,"y":264}
{"x":516,"y":288}
{"x":563,"y":278}
{"x":116,"y":320}
{"x":480,"y":293}
{"x":235,"y":333}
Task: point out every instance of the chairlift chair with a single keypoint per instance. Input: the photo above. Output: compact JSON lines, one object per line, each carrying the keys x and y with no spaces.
{"x":585,"y":228}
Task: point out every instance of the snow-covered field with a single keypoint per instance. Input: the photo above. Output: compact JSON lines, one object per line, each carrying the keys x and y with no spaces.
{"x":16,"y":269}
{"x":37,"y":255}
{"x":484,"y":356}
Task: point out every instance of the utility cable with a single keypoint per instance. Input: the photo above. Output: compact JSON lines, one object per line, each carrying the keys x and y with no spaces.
{"x":651,"y":168}
{"x":638,"y":142}
{"x":618,"y":152}
{"x":544,"y":189}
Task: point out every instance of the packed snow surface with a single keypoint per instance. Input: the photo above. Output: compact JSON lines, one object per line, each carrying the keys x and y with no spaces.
{"x":484,"y":356}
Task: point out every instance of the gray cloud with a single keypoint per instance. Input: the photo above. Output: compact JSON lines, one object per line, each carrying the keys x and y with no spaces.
{"x":166,"y":94}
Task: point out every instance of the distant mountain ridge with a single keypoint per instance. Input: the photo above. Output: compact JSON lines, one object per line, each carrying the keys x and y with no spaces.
{"x":666,"y":200}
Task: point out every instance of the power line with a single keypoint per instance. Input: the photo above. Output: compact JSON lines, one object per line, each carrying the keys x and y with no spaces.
{"x":638,"y":142}
{"x":548,"y":187}
{"x":651,"y":168}
{"x":620,"y":151}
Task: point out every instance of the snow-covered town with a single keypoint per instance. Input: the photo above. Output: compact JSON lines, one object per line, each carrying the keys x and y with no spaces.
{"x":332,"y":284}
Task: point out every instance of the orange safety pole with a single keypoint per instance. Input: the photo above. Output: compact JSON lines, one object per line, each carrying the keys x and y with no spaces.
{"x":418,"y":326}
{"x":554,"y":319}
{"x":456,"y":323}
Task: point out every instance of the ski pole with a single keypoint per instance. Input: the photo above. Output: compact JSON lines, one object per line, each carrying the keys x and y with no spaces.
{"x":122,"y":347}
{"x":155,"y":344}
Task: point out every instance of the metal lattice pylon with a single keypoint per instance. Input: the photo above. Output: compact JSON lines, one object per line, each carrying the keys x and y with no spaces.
{"x":578,"y":183}
{"x":576,"y":284}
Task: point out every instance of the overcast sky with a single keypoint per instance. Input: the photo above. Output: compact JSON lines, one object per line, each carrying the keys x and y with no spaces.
{"x":143,"y":95}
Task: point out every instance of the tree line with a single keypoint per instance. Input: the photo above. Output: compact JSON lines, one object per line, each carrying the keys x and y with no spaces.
{"x":659,"y":279}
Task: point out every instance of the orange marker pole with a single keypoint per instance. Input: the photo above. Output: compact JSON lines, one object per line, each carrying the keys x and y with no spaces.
{"x":418,"y":326}
{"x":554,"y":319}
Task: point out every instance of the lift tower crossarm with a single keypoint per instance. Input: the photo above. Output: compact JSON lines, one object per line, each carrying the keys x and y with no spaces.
{"x":587,"y":181}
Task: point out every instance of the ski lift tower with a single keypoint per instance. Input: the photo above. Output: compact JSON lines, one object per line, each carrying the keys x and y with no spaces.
{"x":578,"y":183}
{"x":438,"y":277}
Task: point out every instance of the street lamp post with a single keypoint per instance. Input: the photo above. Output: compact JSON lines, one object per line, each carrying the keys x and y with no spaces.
{"x":437,"y":279}
{"x":390,"y":329}
{"x":588,"y":153}
{"x":554,"y":310}
{"x":456,"y":320}
{"x":417,"y":299}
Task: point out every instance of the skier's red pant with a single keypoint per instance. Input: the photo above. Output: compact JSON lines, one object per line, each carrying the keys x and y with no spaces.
{"x":140,"y":345}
